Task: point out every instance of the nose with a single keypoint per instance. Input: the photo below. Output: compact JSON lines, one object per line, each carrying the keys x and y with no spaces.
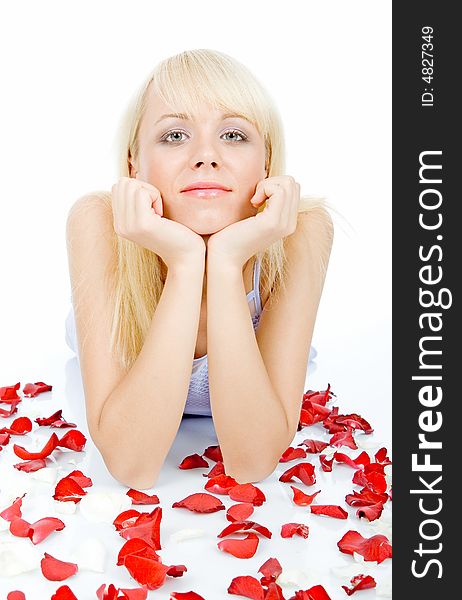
{"x":204,"y":153}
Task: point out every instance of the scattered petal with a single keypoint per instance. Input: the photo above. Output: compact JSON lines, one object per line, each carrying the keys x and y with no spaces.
{"x":329,"y":510}
{"x":142,"y":498}
{"x":360,"y":582}
{"x":57,"y":570}
{"x":376,"y":548}
{"x":291,"y":529}
{"x":240,"y":548}
{"x":31,"y":390}
{"x":240,"y":512}
{"x":201,"y":503}
{"x":247,"y":492}
{"x":247,"y":586}
{"x":194,"y":461}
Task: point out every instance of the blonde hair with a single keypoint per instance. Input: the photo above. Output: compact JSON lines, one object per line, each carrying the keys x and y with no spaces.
{"x":190,"y":78}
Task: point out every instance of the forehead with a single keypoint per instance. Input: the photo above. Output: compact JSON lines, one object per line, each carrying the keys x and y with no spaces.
{"x":156,"y":108}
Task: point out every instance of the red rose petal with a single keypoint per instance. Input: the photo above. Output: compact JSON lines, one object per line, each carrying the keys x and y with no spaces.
{"x":4,"y":439}
{"x":360,"y":582}
{"x":146,"y":527}
{"x":365,"y":498}
{"x":291,"y":529}
{"x":73,"y":440}
{"x":376,"y":548}
{"x":9,"y":393}
{"x":19,"y":527}
{"x":314,"y":446}
{"x":326,"y":464}
{"x":139,"y":547}
{"x":146,"y":571}
{"x":201,"y":503}
{"x":371,"y":512}
{"x":271,"y":569}
{"x":317,"y":592}
{"x":42,"y":528}
{"x":329,"y":510}
{"x":49,"y":420}
{"x":16,"y":595}
{"x":274,"y":592}
{"x":320,"y":397}
{"x":312,"y":413}
{"x":46,"y":450}
{"x":381,"y":457}
{"x":13,"y":408}
{"x":214,"y":453}
{"x":247,"y":586}
{"x":218,"y":469}
{"x":292,"y":454}
{"x":303,"y":471}
{"x":13,"y":511}
{"x":239,"y":512}
{"x":19,"y":426}
{"x":68,"y":490}
{"x":355,"y":422}
{"x":244,"y":548}
{"x":31,"y":390}
{"x":57,"y":570}
{"x":302,"y":499}
{"x":243,"y":526}
{"x":176,"y":570}
{"x":343,"y":438}
{"x":221,"y":484}
{"x":185,"y":596}
{"x":142,"y":498}
{"x":31,"y":465}
{"x":126,"y":519}
{"x":247,"y":492}
{"x":134,"y":593}
{"x":64,"y":593}
{"x":194,"y":461}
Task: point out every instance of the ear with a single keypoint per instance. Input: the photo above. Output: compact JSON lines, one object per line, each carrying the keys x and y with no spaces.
{"x":132,"y":169}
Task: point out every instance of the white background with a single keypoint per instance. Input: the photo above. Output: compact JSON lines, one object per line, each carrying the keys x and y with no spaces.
{"x":68,"y":70}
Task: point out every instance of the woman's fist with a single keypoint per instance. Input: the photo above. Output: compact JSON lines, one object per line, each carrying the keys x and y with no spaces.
{"x":138,"y":216}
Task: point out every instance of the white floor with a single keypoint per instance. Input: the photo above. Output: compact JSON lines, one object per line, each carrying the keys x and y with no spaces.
{"x":360,"y":378}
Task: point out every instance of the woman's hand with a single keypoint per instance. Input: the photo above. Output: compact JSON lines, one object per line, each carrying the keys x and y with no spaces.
{"x":239,"y":241}
{"x":137,"y":208}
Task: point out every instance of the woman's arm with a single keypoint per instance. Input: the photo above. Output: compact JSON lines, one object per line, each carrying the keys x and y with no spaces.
{"x":141,"y":416}
{"x":256,"y":381}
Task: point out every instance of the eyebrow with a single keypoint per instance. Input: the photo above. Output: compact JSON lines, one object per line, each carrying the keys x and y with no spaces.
{"x":184,"y":116}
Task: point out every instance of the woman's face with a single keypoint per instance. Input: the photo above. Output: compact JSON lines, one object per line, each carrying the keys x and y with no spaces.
{"x":176,"y":152}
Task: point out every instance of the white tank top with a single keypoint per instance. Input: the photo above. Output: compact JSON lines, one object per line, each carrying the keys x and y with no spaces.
{"x":198,"y":400}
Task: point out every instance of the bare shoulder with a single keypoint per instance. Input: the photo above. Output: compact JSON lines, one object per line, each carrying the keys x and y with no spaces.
{"x":309,"y":247}
{"x":90,"y":206}
{"x":313,"y":225}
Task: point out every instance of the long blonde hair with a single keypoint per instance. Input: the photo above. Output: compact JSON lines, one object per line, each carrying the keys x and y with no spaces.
{"x":195,"y":77}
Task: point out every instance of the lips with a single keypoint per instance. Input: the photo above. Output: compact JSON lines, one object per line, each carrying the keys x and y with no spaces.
{"x":206,"y":185}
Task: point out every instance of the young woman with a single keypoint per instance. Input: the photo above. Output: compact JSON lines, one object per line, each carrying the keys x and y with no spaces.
{"x":196,"y":280}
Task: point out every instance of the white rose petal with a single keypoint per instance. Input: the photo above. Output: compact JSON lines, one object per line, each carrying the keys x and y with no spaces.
{"x":186,"y":534}
{"x":90,"y":555}
{"x":365,"y":443}
{"x":18,"y":556}
{"x":65,"y":508}
{"x":47,"y":474}
{"x":295,"y":578}
{"x":104,"y":506}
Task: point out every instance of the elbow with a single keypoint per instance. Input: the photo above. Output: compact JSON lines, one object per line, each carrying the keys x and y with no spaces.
{"x":251,"y":472}
{"x":133,"y":478}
